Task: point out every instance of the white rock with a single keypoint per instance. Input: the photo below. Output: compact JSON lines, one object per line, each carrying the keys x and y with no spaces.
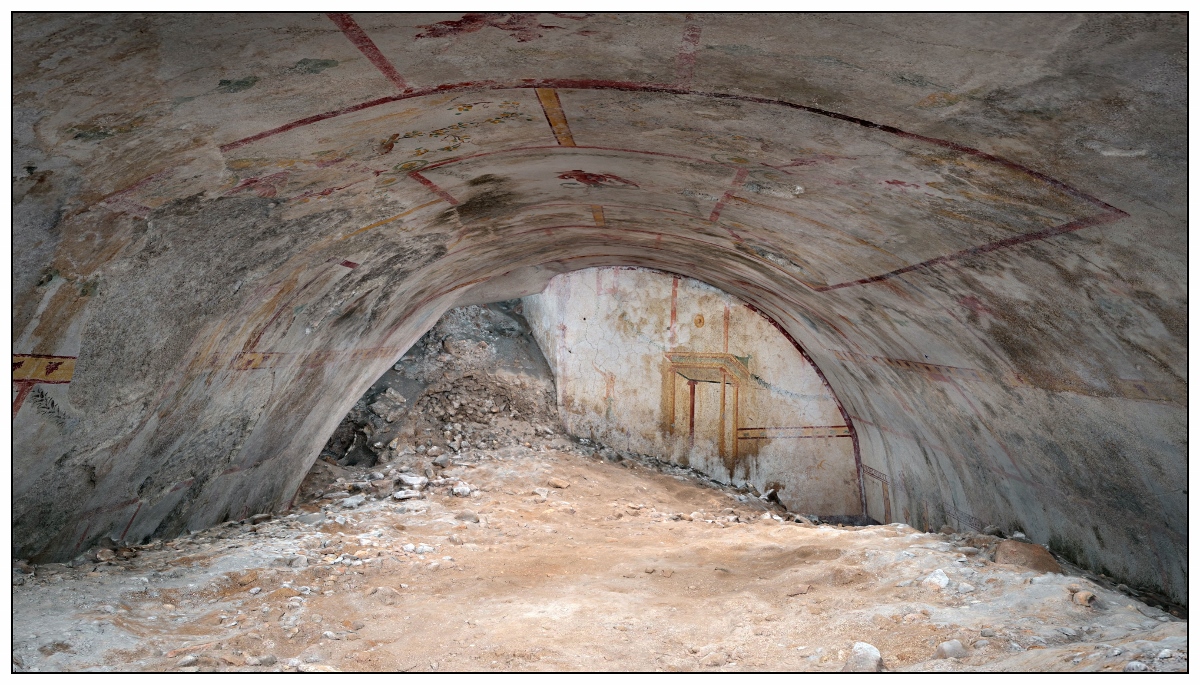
{"x":864,"y":658}
{"x":951,"y":649}
{"x":938,"y":579}
{"x":414,"y":482}
{"x":1136,"y":667}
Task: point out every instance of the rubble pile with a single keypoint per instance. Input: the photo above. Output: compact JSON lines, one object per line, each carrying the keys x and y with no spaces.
{"x":474,"y":381}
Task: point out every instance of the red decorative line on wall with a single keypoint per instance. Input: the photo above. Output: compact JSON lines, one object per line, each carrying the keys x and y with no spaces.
{"x":349,"y":264}
{"x":868,"y":471}
{"x":862,"y":490}
{"x":738,"y":179}
{"x":433,"y":187}
{"x":794,"y":432}
{"x":1109,"y":214}
{"x":131,"y":518}
{"x":685,"y":63}
{"x":367,"y":47}
{"x":30,"y":369}
{"x":1097,"y":220}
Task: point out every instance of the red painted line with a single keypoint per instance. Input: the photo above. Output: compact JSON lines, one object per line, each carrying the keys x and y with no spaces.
{"x":692,"y":412}
{"x":367,"y":47}
{"x":433,"y":187}
{"x":875,"y":474}
{"x":183,"y":484}
{"x":940,"y":448}
{"x":862,"y":488}
{"x":1097,"y":220}
{"x":616,"y":206}
{"x":528,"y":148}
{"x":791,"y":437}
{"x":629,"y":86}
{"x":348,"y":264}
{"x":674,"y":301}
{"x":685,"y":63}
{"x":131,"y":518}
{"x":144,"y":182}
{"x":306,"y":121}
{"x":23,"y":388}
{"x":738,"y":179}
{"x":788,"y":428}
{"x":83,"y":536}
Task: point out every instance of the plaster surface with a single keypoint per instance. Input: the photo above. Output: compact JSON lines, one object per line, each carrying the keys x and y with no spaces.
{"x":668,"y":366}
{"x":226,"y":227}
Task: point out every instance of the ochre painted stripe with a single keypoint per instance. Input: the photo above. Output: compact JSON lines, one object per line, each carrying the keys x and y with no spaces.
{"x":554,"y":114}
{"x":41,"y":368}
{"x":390,"y":219}
{"x":598,"y":215}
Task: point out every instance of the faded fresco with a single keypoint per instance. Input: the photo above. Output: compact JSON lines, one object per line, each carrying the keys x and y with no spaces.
{"x":662,"y":365}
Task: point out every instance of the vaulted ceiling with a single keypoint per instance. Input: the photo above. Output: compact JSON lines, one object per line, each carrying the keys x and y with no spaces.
{"x":226,"y":226}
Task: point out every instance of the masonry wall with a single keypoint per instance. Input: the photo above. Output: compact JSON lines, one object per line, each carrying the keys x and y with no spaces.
{"x":669,"y":366}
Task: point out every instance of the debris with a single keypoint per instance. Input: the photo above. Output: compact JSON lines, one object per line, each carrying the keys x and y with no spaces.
{"x":1026,"y":554}
{"x":937,"y":580}
{"x":389,"y":406}
{"x":864,"y":658}
{"x":413,"y":482}
{"x":951,"y":649}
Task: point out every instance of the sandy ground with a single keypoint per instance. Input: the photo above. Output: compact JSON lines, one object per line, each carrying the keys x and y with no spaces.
{"x":631,"y":567}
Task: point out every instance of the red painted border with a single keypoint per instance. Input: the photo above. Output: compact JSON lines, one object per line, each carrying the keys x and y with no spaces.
{"x":627,"y":86}
{"x":367,"y":47}
{"x":1108,"y":215}
{"x":862,"y":488}
{"x":433,"y":187}
{"x":1097,"y":220}
{"x":685,"y":62}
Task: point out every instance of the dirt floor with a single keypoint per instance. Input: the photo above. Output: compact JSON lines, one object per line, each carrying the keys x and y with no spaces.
{"x":449,"y":525}
{"x":629,"y":567}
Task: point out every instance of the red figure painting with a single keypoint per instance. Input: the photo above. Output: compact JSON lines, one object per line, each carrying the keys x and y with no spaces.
{"x":596,"y":180}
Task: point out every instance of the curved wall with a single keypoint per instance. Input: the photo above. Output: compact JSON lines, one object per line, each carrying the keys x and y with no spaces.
{"x":226,"y":227}
{"x":668,"y":366}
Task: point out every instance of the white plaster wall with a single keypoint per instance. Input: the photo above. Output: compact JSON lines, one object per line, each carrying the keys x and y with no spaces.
{"x":607,"y":334}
